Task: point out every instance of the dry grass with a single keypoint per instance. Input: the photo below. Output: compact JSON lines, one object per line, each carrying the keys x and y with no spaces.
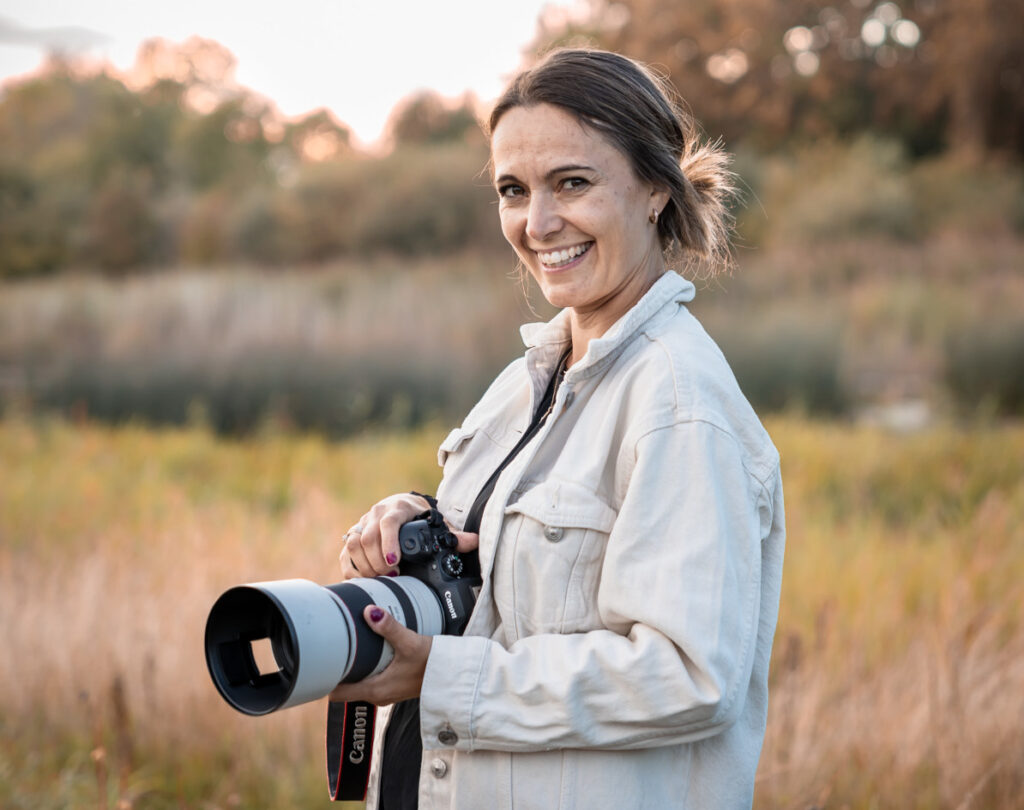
{"x":898,"y":678}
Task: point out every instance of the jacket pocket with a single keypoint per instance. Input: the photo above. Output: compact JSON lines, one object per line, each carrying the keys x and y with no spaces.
{"x":551,"y":568}
{"x":468,"y":456}
{"x":452,"y":442}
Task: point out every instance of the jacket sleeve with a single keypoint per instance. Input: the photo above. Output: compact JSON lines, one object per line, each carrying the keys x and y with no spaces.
{"x":679,"y":597}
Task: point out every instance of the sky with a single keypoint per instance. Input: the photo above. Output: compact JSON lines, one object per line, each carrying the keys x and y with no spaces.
{"x":357,"y":58}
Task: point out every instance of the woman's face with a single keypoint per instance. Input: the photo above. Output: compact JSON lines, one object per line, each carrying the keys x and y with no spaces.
{"x":575,"y":212}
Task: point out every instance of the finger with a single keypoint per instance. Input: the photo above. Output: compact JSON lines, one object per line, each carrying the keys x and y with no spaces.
{"x":356,"y":554}
{"x":403,"y":677}
{"x":468,"y":541}
{"x":369,"y":542}
{"x":389,"y":525}
{"x":348,"y":568}
{"x":388,"y":627}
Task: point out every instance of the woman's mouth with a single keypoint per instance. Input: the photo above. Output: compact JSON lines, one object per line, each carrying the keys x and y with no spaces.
{"x":557,"y":259}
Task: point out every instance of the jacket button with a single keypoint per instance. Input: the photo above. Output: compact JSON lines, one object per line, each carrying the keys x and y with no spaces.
{"x":553,"y":533}
{"x":447,"y":736}
{"x":439,"y":768}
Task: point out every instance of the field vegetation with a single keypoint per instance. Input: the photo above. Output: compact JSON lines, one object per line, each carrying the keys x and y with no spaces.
{"x":897,"y":673}
{"x":831,"y":329}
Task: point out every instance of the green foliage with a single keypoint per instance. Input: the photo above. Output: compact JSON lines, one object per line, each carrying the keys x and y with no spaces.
{"x":95,"y":175}
{"x":336,"y":397}
{"x":985,"y":367}
{"x":425,"y":201}
{"x":120,"y":226}
{"x":958,"y":195}
{"x":830,"y":190}
{"x":32,"y":239}
{"x":817,"y":193}
{"x":425,"y":118}
{"x":787,"y":364}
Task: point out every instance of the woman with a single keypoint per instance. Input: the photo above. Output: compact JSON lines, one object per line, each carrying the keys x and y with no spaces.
{"x":630,"y":531}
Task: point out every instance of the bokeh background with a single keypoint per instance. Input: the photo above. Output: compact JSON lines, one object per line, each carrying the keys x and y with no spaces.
{"x":244,"y":293}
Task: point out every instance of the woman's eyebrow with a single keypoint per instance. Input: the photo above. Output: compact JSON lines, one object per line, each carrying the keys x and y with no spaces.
{"x":571,"y":167}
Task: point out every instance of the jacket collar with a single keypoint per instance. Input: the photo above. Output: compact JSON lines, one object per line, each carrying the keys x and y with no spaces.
{"x":550,"y":339}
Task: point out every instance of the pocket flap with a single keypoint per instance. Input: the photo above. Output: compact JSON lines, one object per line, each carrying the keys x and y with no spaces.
{"x":566,"y":504}
{"x":452,"y":442}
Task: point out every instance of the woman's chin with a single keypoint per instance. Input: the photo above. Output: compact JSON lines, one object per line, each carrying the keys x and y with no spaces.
{"x":557,"y":297}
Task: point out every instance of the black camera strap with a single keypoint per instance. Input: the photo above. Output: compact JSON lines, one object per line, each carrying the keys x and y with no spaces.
{"x":350,"y":725}
{"x":349,"y":749}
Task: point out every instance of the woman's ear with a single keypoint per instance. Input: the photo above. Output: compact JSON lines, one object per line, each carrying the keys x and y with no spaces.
{"x":659,"y":198}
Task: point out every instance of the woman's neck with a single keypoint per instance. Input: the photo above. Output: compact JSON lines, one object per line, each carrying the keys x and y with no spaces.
{"x":588,"y":323}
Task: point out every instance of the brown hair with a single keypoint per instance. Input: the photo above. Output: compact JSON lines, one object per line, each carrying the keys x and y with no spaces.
{"x":639,"y":113}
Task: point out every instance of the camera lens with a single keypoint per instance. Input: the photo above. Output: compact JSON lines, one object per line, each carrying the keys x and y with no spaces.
{"x":284,"y":649}
{"x":317,"y":635}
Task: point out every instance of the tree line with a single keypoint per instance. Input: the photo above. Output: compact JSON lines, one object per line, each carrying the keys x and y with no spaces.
{"x":176,"y":164}
{"x":936,"y":74}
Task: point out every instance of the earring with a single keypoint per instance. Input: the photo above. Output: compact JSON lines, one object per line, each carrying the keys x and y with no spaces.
{"x":653,"y":218}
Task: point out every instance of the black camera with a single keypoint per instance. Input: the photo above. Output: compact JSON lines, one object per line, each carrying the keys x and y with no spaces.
{"x":317,"y":633}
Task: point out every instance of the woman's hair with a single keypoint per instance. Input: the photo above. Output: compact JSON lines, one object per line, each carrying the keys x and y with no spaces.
{"x":639,"y":113}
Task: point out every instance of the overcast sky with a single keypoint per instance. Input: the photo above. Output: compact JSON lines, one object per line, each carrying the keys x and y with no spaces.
{"x":355,"y":57}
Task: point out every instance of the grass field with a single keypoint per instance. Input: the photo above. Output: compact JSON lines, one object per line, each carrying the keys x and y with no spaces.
{"x":898,"y":675}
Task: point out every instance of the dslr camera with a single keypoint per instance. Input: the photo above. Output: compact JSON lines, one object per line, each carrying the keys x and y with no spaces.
{"x":317,"y":633}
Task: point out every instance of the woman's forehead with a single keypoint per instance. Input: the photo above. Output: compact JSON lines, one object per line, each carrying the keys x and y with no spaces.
{"x":543,"y":137}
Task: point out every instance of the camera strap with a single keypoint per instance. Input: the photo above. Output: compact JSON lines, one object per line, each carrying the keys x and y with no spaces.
{"x":349,"y":749}
{"x":350,"y":725}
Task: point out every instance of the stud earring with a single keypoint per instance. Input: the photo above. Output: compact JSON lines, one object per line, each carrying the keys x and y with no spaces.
{"x":653,"y":218}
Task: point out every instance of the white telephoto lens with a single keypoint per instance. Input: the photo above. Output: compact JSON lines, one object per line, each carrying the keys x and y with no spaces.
{"x":322,"y":632}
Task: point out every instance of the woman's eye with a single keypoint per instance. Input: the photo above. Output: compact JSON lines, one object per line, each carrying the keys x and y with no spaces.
{"x":575,"y":183}
{"x":509,"y":191}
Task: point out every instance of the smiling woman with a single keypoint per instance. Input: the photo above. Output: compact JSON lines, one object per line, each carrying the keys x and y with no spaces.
{"x":577,"y":216}
{"x":623,"y":500}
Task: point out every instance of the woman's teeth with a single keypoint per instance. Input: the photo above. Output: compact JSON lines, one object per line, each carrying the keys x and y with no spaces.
{"x":556,"y":258}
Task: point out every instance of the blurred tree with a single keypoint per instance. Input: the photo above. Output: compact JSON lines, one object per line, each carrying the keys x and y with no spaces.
{"x":120,"y":228}
{"x":317,"y":136}
{"x":226,"y":146}
{"x":425,"y":117}
{"x":938,"y":73}
{"x":31,"y":239}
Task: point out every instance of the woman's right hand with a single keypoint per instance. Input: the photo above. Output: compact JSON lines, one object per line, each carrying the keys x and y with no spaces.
{"x":370,"y":548}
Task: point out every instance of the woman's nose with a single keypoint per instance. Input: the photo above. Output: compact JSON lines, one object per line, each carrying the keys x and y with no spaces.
{"x":543,"y":218}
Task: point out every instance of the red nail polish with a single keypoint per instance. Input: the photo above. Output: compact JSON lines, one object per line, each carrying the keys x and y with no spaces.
{"x":392,"y":558}
{"x":376,"y":615}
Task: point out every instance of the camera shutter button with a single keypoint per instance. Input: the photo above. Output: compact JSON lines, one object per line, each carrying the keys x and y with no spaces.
{"x":439,"y":768}
{"x":447,"y":736}
{"x":553,"y":533}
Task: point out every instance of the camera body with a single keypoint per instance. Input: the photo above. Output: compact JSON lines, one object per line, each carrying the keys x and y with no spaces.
{"x":317,"y":633}
{"x":428,"y":554}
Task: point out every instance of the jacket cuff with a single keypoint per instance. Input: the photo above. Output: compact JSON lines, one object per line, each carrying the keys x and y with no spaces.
{"x":449,"y":691}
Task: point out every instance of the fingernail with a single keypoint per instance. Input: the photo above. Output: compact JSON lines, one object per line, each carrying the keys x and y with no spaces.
{"x":391,"y":558}
{"x":376,"y":615}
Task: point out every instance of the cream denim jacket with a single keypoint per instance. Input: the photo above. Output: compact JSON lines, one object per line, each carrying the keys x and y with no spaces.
{"x":617,"y":656}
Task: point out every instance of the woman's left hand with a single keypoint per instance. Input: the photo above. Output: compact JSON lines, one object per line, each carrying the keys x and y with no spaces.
{"x":402,"y":679}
